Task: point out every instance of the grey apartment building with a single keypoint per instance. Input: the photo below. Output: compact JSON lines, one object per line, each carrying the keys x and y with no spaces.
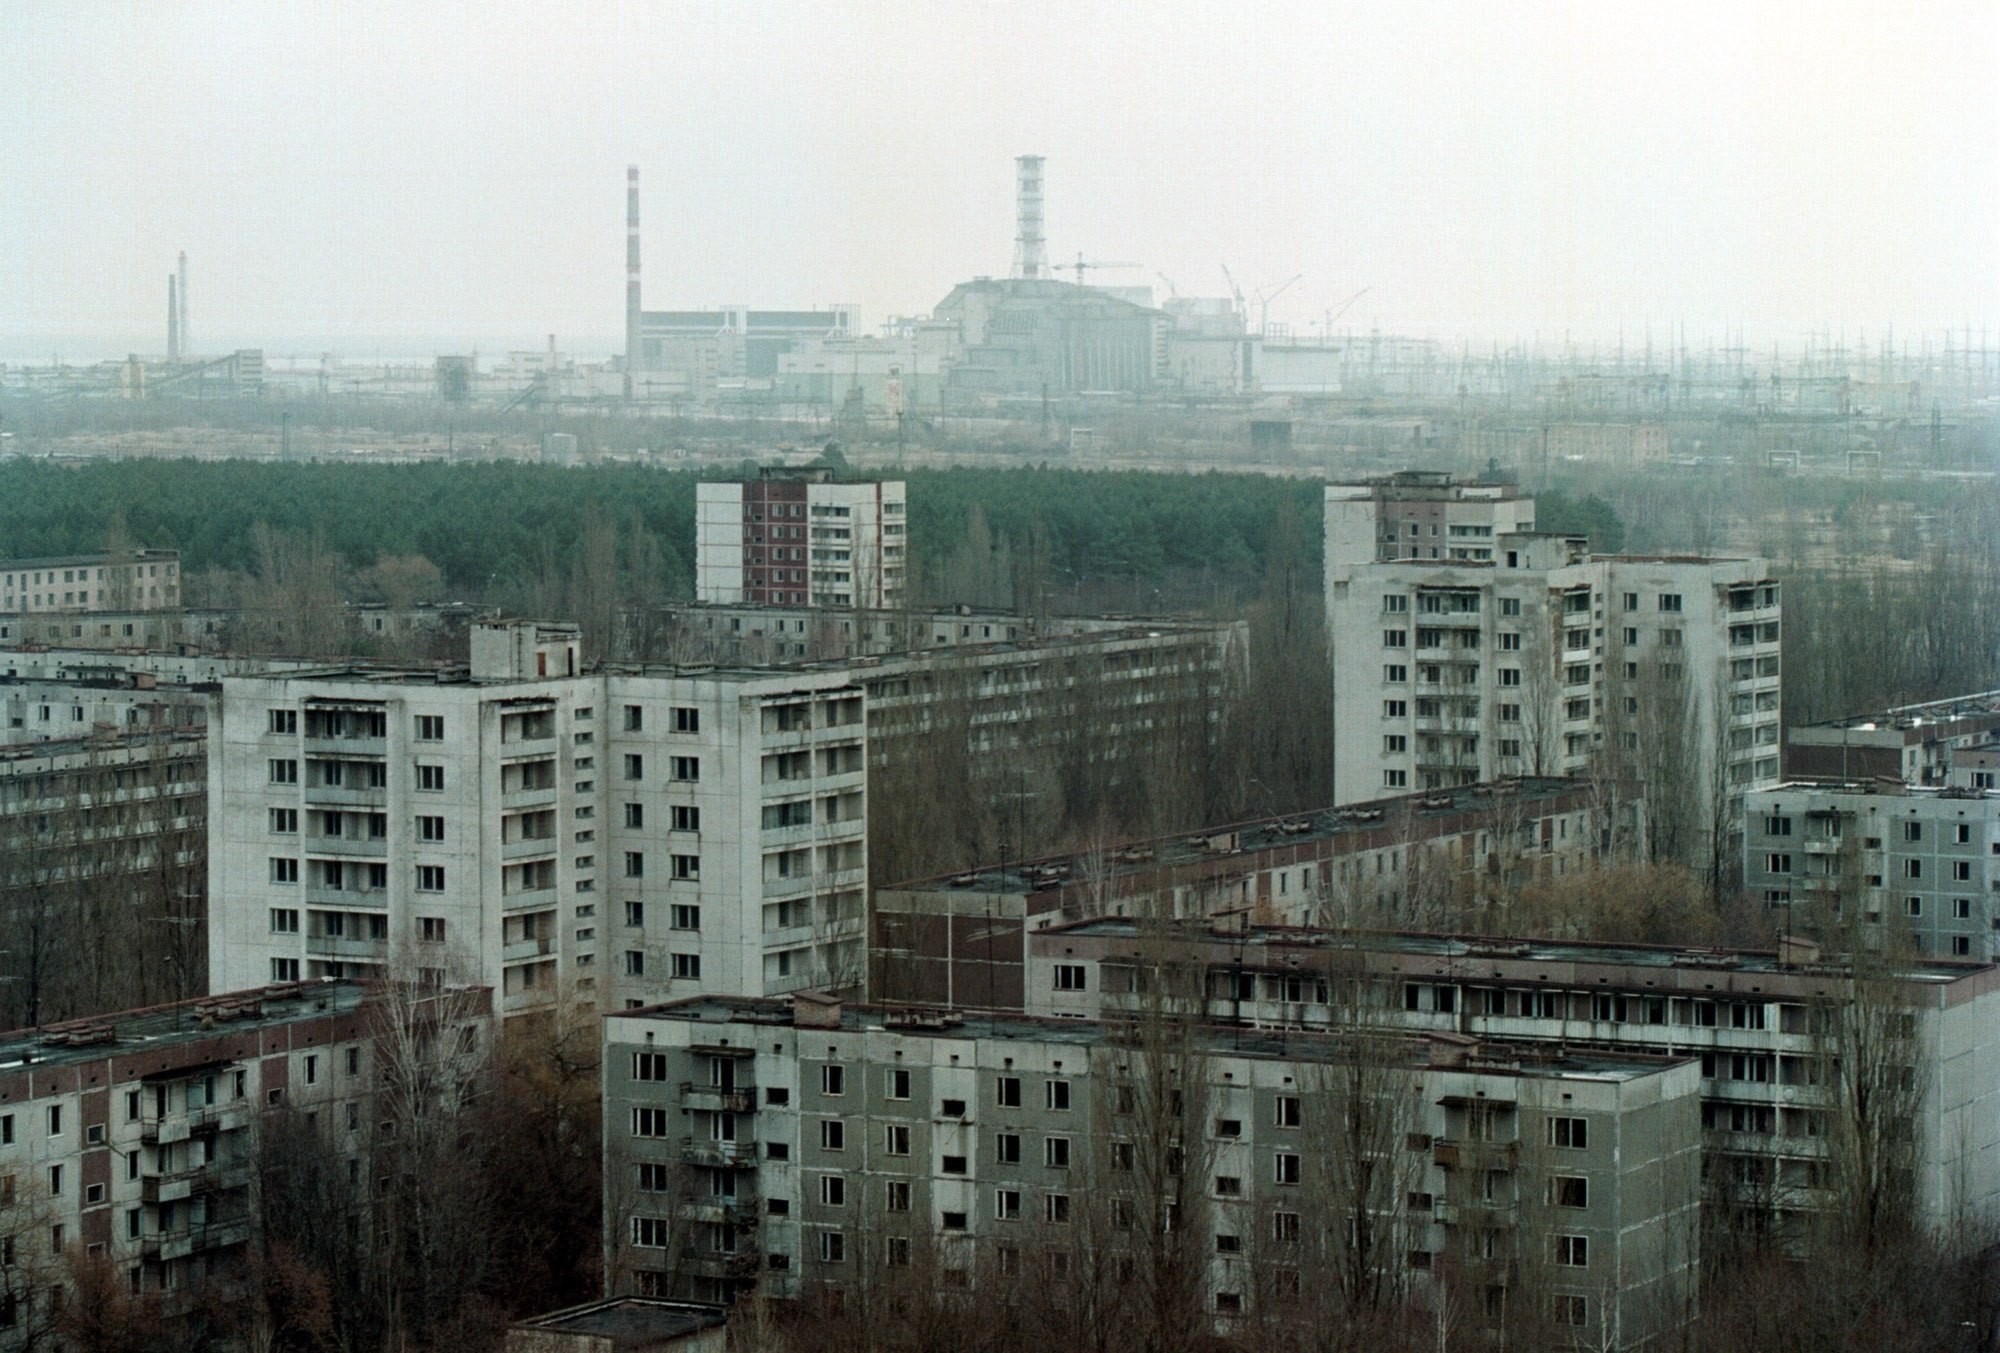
{"x":794,"y":1146}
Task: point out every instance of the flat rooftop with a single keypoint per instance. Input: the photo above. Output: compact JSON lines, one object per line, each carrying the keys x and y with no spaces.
{"x":91,"y":560}
{"x":630,"y":1322}
{"x":1217,"y":1040}
{"x":1980,"y":704}
{"x":1166,"y":852}
{"x":1473,"y":949}
{"x":90,"y":1040}
{"x":1883,"y":789}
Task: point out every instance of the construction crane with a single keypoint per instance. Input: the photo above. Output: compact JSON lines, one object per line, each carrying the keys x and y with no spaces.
{"x":1264,"y":299}
{"x":1091,"y":263}
{"x":1242,"y":314}
{"x":1172,"y":291}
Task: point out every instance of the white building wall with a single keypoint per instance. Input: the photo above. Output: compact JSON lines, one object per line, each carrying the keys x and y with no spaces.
{"x":718,"y":546}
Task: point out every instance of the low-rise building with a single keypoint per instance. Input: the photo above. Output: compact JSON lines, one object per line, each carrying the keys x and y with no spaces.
{"x":1914,"y":744}
{"x":1918,"y":862}
{"x":134,"y":580}
{"x":132,"y":1138}
{"x":1756,"y":1020}
{"x":961,"y":938}
{"x":789,"y":1148}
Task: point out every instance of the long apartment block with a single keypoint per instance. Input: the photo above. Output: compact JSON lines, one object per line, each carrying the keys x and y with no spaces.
{"x":1747,"y":1016}
{"x":1919,"y":745}
{"x":956,"y":939}
{"x":1467,"y":646}
{"x":631,"y":833}
{"x":791,"y":1147}
{"x":131,"y":1138}
{"x":137,"y":580}
{"x":1922,"y":863}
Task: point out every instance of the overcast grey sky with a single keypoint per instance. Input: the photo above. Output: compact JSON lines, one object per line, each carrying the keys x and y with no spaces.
{"x":404,"y":171}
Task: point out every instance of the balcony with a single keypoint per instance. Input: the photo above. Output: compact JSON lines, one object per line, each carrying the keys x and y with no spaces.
{"x":742,"y":1212}
{"x":349,"y":847}
{"x":340,"y":748}
{"x":347,"y":946}
{"x":1476,"y":1212}
{"x":718,"y":1264}
{"x":528,"y":848}
{"x":715,"y":1099}
{"x":196,"y":1239}
{"x":716,"y":1155}
{"x":529,"y":899}
{"x":347,"y":796}
{"x":1469,"y":1155}
{"x":522,"y":950}
{"x":525,"y":797}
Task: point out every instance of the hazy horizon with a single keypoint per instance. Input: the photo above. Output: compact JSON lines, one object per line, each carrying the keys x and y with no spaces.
{"x":362,"y":178}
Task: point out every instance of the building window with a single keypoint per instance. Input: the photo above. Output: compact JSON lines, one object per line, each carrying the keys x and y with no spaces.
{"x":832,"y":1135}
{"x":635,"y":914}
{"x":635,"y":815}
{"x":284,"y":771}
{"x":1287,"y":1111}
{"x":635,"y":719}
{"x":833,"y":1079}
{"x":1070,"y":977}
{"x":684,"y":917}
{"x":430,"y":929}
{"x":1007,"y":1092}
{"x":685,"y":768}
{"x":686,"y":719}
{"x":687,"y":967}
{"x":832,"y":1191}
{"x":1007,"y":1148}
{"x":1395,"y":779}
{"x":1571,"y":1133}
{"x":1058,"y":1096}
{"x":430,"y":728}
{"x":635,"y":864}
{"x":1055,"y":1153}
{"x":832,"y":1247}
{"x":430,"y":779}
{"x":1779,"y":862}
{"x":1569,"y":1190}
{"x":1670,"y":601}
{"x":686,"y":818}
{"x":635,"y":963}
{"x":1056,"y":1209}
{"x":285,"y":721}
{"x":284,"y":970}
{"x":685,"y":866}
{"x":1286,"y":1168}
{"x":1567,"y":1309}
{"x":284,"y":921}
{"x":284,"y":870}
{"x":1395,"y":709}
{"x":430,"y":829}
{"x":430,"y":878}
{"x":284,"y":821}
{"x":635,"y":766}
{"x":896,"y":1139}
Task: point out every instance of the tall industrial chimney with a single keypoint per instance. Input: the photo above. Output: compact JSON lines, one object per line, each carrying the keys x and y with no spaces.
{"x":186,"y":349}
{"x":633,"y":342}
{"x":1029,"y":258}
{"x":173,"y":324}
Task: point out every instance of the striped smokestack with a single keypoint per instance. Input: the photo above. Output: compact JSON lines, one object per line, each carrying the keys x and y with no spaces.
{"x":1029,"y":258}
{"x":632,"y":340}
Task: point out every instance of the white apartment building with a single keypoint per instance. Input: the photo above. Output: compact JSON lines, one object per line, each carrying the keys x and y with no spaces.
{"x":1517,"y":652}
{"x":797,"y":537}
{"x":139,"y":580}
{"x":1924,"y":860}
{"x":636,"y":833}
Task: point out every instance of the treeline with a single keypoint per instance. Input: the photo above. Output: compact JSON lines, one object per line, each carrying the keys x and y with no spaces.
{"x":987,"y":536}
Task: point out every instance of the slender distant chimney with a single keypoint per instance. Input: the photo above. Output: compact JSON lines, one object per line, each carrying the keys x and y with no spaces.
{"x":186,"y":349}
{"x":173,"y":323}
{"x":1029,"y":258}
{"x":633,"y":342}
